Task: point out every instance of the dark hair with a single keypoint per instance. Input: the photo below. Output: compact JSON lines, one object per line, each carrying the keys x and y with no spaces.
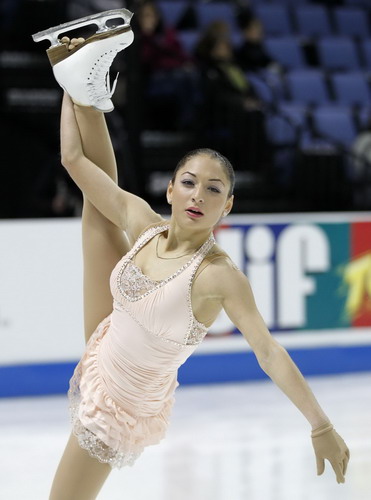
{"x":217,"y":31}
{"x":150,"y":3}
{"x":245,"y":18}
{"x":215,"y":155}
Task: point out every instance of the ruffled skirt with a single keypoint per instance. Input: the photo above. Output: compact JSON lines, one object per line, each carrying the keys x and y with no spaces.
{"x":108,"y":432}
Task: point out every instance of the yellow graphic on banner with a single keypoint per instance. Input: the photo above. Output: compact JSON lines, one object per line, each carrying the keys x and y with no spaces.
{"x":357,"y":275}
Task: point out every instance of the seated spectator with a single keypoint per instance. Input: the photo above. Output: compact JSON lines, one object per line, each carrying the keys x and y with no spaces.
{"x":361,"y":150}
{"x":231,"y":104}
{"x":169,"y":77}
{"x":250,"y":54}
{"x":214,"y":30}
{"x":160,"y":46}
{"x":360,"y":172}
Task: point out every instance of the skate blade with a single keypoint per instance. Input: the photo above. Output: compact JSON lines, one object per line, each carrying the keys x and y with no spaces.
{"x":57,"y":53}
{"x":99,"y":19}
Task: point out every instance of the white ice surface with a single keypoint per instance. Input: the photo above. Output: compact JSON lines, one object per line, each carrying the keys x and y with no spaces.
{"x":241,"y":441}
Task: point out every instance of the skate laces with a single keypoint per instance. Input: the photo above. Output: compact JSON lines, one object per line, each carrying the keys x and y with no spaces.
{"x":99,"y":86}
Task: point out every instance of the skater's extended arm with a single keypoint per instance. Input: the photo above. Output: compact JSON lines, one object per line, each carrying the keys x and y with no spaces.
{"x":237,"y":299}
{"x":239,"y":304}
{"x":124,"y":209}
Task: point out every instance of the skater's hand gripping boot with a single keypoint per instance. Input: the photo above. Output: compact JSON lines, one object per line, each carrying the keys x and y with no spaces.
{"x":329,"y":445}
{"x":83,"y":71}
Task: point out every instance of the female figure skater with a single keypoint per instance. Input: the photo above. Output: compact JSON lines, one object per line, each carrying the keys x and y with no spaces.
{"x":169,"y":282}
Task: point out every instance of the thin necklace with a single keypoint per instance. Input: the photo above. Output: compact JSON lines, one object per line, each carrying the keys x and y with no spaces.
{"x":169,"y":258}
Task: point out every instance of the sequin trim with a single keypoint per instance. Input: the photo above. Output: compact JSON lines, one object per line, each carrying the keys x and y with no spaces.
{"x":99,"y":450}
{"x":196,"y":331}
{"x":135,"y":284}
{"x":148,"y":282}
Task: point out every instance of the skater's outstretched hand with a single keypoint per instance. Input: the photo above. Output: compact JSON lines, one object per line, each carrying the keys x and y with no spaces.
{"x":329,"y":445}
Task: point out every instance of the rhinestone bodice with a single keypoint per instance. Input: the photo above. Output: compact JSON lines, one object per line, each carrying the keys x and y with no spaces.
{"x":131,"y":288}
{"x":133,"y":284}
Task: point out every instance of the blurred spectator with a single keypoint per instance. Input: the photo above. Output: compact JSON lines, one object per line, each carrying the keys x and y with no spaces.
{"x":214,"y":30}
{"x":160,"y":47}
{"x":361,"y":150}
{"x":231,"y":106}
{"x":169,"y":75}
{"x":214,"y":52}
{"x":251,"y":54}
{"x":361,"y":167}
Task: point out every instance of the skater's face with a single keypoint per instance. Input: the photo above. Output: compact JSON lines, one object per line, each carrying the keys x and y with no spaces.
{"x":222,"y":50}
{"x":148,"y":19}
{"x":199,"y":193}
{"x":254,"y":32}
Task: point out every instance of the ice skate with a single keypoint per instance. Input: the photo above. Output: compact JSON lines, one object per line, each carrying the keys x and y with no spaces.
{"x":83,"y":72}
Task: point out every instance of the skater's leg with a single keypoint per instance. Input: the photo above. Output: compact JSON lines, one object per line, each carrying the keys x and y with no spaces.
{"x":103,"y":242}
{"x":79,"y":476}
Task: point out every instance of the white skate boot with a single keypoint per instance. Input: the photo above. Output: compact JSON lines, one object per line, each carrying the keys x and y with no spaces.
{"x":83,"y":72}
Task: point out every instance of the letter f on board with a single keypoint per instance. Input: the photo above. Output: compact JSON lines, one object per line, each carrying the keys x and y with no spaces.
{"x":300,"y":249}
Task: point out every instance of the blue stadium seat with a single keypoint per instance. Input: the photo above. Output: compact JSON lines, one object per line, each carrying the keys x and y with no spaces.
{"x":286,"y":127}
{"x":189,"y":39}
{"x":287,"y":51}
{"x":172,"y":11}
{"x":366,"y":52}
{"x":312,"y":20}
{"x":221,"y":11}
{"x":236,"y":38}
{"x":307,"y":86}
{"x":297,"y":113}
{"x":285,"y":131}
{"x":338,"y":53}
{"x":335,"y":123}
{"x":351,"y":89}
{"x":275,"y":19}
{"x":351,"y":22}
{"x":261,"y":87}
{"x":273,"y":80}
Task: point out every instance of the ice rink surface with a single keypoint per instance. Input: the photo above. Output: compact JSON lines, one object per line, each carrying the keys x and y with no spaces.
{"x":242,"y":441}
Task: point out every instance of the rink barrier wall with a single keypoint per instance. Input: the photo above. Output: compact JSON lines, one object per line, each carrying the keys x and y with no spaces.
{"x":309,"y":274}
{"x":212,"y":368}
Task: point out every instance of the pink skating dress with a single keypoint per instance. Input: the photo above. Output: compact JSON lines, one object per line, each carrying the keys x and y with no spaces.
{"x":122,"y":391}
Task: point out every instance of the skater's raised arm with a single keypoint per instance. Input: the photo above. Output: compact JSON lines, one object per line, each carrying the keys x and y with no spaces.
{"x":127,"y":211}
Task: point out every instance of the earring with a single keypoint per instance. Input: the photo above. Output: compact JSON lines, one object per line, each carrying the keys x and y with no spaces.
{"x":225,"y":213}
{"x":169,"y":202}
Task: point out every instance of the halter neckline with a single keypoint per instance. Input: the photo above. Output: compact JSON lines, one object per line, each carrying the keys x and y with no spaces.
{"x":147,"y":236}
